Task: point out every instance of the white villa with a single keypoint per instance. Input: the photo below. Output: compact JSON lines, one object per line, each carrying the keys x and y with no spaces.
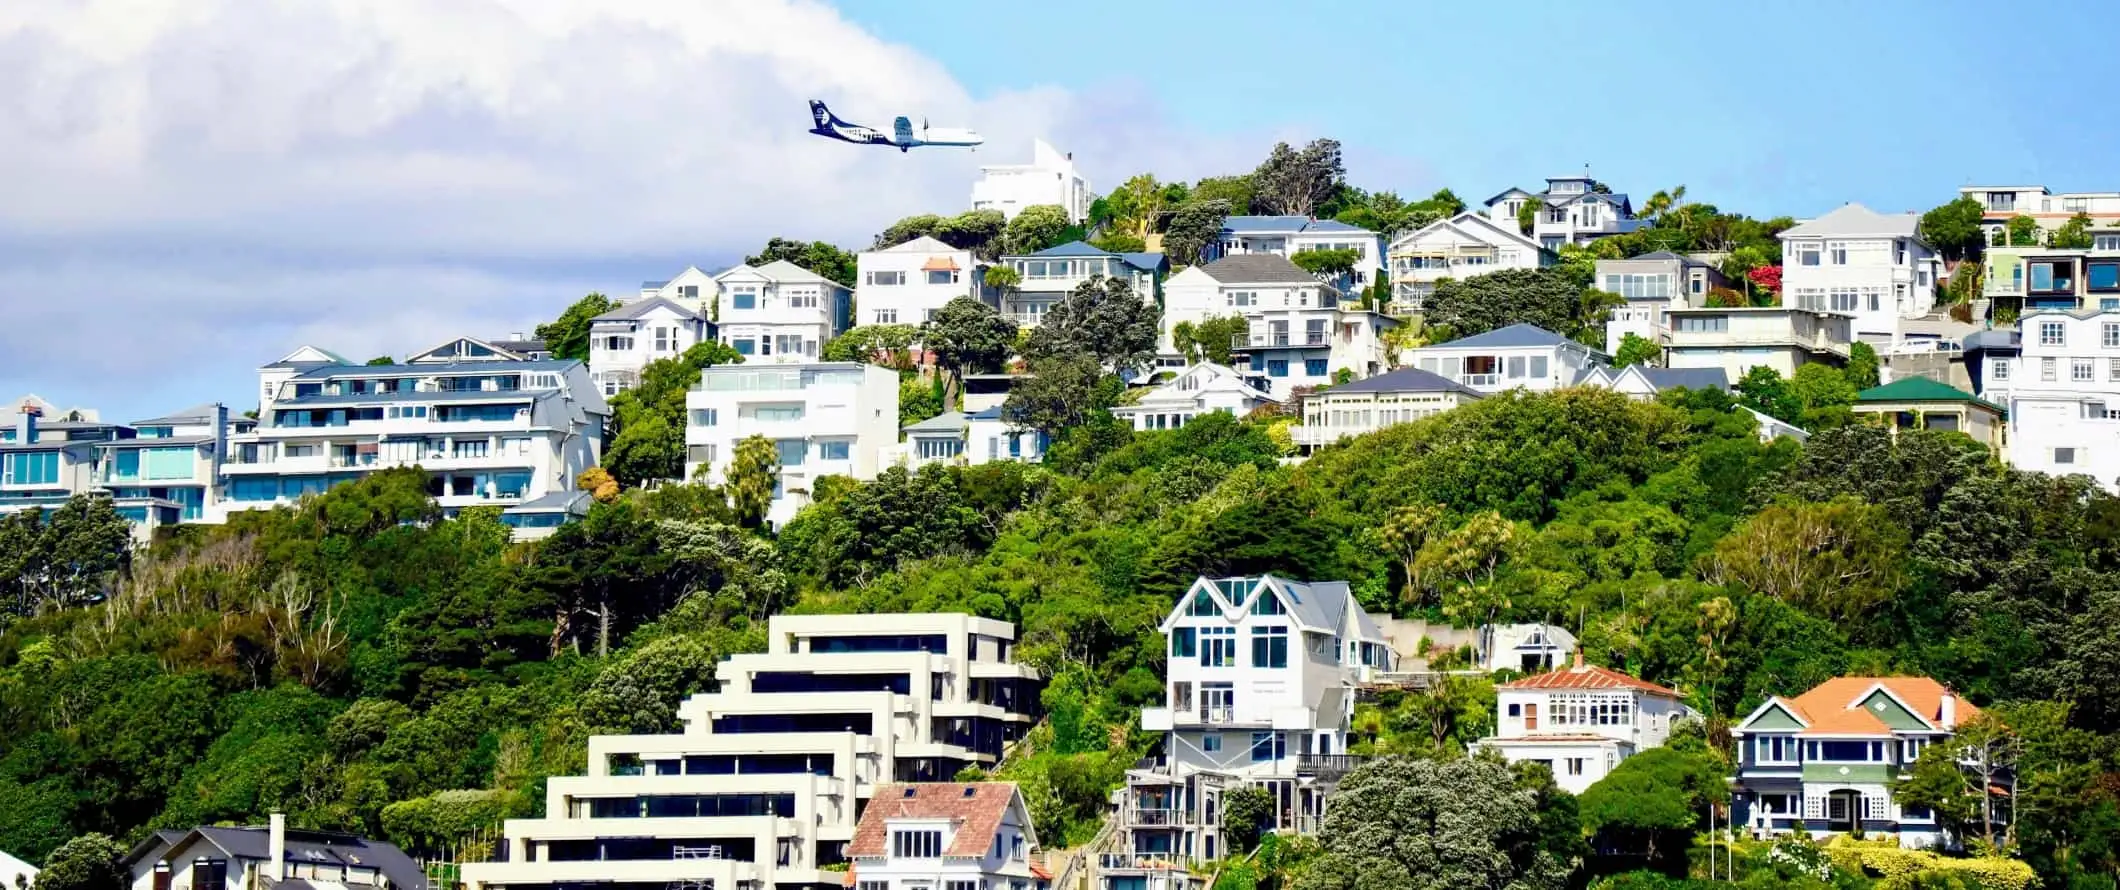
{"x":908,"y":283}
{"x":1287,"y":236}
{"x":1571,"y":211}
{"x":970,"y":438}
{"x":624,"y":340}
{"x":1056,"y":271}
{"x":2063,"y":395}
{"x":1371,"y":404}
{"x":1300,"y":331}
{"x":1050,"y":178}
{"x":1857,"y":262}
{"x":691,"y":287}
{"x":966,"y":835}
{"x":1520,"y":355}
{"x":825,"y":419}
{"x":1462,"y":246}
{"x":767,"y":783}
{"x":1201,"y":389}
{"x":1581,"y":721}
{"x":780,"y":312}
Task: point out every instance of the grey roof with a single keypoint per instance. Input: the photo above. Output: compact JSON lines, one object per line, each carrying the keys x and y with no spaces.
{"x":1333,"y":225}
{"x":520,"y":347}
{"x":1404,"y":380}
{"x":1146,"y":262}
{"x":1505,"y":193}
{"x":437,"y":369}
{"x":782,"y":270}
{"x":1857,"y":220}
{"x":952,"y":422}
{"x":572,"y":501}
{"x":1074,"y":248}
{"x":321,"y":847}
{"x":993,"y":413}
{"x":1245,"y":223}
{"x":920,"y":244}
{"x":1262,"y":268}
{"x":200,"y":413}
{"x":1515,"y":335}
{"x":1687,"y":378}
{"x":162,"y":442}
{"x":653,"y":285}
{"x":1994,"y":339}
{"x":383,"y":398}
{"x":638,"y":308}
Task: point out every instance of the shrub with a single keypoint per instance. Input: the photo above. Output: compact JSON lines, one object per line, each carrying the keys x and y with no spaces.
{"x":1903,"y":869}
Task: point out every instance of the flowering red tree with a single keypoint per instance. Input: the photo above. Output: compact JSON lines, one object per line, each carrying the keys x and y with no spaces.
{"x":1766,"y":278}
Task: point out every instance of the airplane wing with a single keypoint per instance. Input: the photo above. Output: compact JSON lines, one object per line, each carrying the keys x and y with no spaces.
{"x":903,"y":127}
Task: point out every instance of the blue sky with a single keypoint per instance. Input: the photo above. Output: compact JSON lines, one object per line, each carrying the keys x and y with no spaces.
{"x":190,"y":195}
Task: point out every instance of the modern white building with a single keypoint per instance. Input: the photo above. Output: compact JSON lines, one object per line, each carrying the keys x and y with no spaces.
{"x":1738,"y":339}
{"x":168,"y":470}
{"x":1056,"y":271}
{"x":43,"y":463}
{"x":768,"y":781}
{"x":1300,"y":331}
{"x":2064,"y":395}
{"x":1571,"y":211}
{"x":1652,"y":284}
{"x":1260,"y":689}
{"x":1518,"y":356}
{"x":908,"y":283}
{"x":266,"y":857}
{"x":1581,"y":721}
{"x":624,"y":340}
{"x":1526,"y":648}
{"x":1365,"y":406}
{"x":2051,"y":210}
{"x":1287,"y":236}
{"x":946,"y":836}
{"x":1857,"y":262}
{"x":1050,"y":178}
{"x":825,"y":419}
{"x":488,"y":432}
{"x":1201,"y":389}
{"x":1462,"y":246}
{"x":780,"y":312}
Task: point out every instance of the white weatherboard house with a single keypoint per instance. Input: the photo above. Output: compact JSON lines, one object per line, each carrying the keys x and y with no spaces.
{"x":691,"y":287}
{"x":1520,"y":355}
{"x":908,"y":283}
{"x":1581,"y":721}
{"x":780,"y":312}
{"x":1738,"y":339}
{"x":946,"y":836}
{"x":1300,"y":331}
{"x":1262,"y":675}
{"x":1462,"y":246}
{"x":1201,"y":389}
{"x":1870,"y":266}
{"x":2064,"y":395}
{"x":624,"y":340}
{"x":1287,"y":236}
{"x":826,"y":419}
{"x":1571,"y":211}
{"x":1056,"y":271}
{"x":970,"y":438}
{"x":1371,"y":404}
{"x":266,"y":857}
{"x":766,"y":784}
{"x":1050,"y":178}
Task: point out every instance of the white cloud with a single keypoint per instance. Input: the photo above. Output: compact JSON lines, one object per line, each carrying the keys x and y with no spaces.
{"x":202,"y":185}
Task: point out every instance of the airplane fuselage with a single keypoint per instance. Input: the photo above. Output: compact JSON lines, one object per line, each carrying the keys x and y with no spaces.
{"x":903,"y":135}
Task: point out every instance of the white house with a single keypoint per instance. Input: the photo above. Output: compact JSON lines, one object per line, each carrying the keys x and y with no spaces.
{"x":1571,"y":211}
{"x":1050,"y":178}
{"x":1520,"y":355}
{"x":691,"y":287}
{"x":1581,"y":721}
{"x":825,"y":419}
{"x":1056,"y":271}
{"x":1260,"y":690}
{"x":767,"y":782}
{"x":1462,"y":246}
{"x":1201,"y":389}
{"x":908,"y":283}
{"x":944,"y":835}
{"x":1364,"y":406}
{"x":969,"y":438}
{"x":169,"y":469}
{"x":1858,"y":262}
{"x":1738,"y":339}
{"x":2001,"y":203}
{"x":624,"y":340}
{"x":1290,"y":235}
{"x":262,"y":857}
{"x":1642,"y":382}
{"x":780,"y":312}
{"x":1528,"y":648}
{"x":1300,"y":331}
{"x":2063,"y":395}
{"x":1653,"y":284}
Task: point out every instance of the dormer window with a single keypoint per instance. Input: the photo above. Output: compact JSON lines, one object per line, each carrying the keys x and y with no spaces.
{"x":1203,"y":605}
{"x":1267,"y":604}
{"x":916,"y":844}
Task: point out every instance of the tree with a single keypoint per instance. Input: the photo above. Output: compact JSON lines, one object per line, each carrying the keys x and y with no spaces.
{"x":1212,"y":339}
{"x":1335,"y":267}
{"x":568,"y":336}
{"x":1137,"y":207}
{"x":1424,"y":825}
{"x":886,"y":345}
{"x":380,"y":361}
{"x":1527,"y":214}
{"x":1968,"y":779}
{"x":1861,"y":372}
{"x":88,"y":862}
{"x":1246,"y":814}
{"x":1035,"y":228}
{"x":599,"y":484}
{"x":1102,"y":318}
{"x":1634,"y":349}
{"x":1544,"y":297}
{"x":1062,"y":392}
{"x":1825,"y":394}
{"x":1195,"y":225}
{"x":1841,"y":560}
{"x":1954,"y":228}
{"x":967,"y":335}
{"x":1235,"y":192}
{"x":1296,"y":182}
{"x":974,"y":230}
{"x":816,"y":256}
{"x":1762,"y":389}
{"x":2074,"y":234}
{"x":2023,"y":231}
{"x":753,"y":470}
{"x":1654,"y":800}
{"x":1766,"y":278}
{"x":648,"y":420}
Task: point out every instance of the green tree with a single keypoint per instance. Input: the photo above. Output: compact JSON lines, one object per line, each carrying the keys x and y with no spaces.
{"x":1954,"y":228}
{"x":1035,"y":228}
{"x":1213,"y":339}
{"x":1654,"y":801}
{"x":1102,"y":318}
{"x":1235,"y":193}
{"x":1841,"y":560}
{"x":89,"y":862}
{"x":2023,"y":231}
{"x":568,"y":336}
{"x":1634,"y":349}
{"x":1527,"y":214}
{"x":919,"y":398}
{"x":1825,"y":394}
{"x":1425,"y":825}
{"x":1762,"y":389}
{"x":1062,"y":392}
{"x":1967,"y":778}
{"x":969,"y":336}
{"x":754,"y":468}
{"x":648,"y":421}
{"x":887,"y":345}
{"x":2074,"y":234}
{"x":1195,"y":224}
{"x":380,"y":360}
{"x":1247,"y":813}
{"x":1861,"y":372}
{"x":1545,"y":297}
{"x":816,"y":256}
{"x":977,"y":231}
{"x":1296,"y":182}
{"x":1335,"y":267}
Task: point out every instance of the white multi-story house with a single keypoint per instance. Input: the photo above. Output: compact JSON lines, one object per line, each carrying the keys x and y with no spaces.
{"x":970,"y":438}
{"x":1738,"y":339}
{"x":169,"y":469}
{"x":2000,"y":203}
{"x":1462,"y":246}
{"x":691,"y":287}
{"x":765,"y":784}
{"x":1050,"y":178}
{"x":1653,"y":284}
{"x":43,"y":463}
{"x":1581,"y":721}
{"x":1300,"y":331}
{"x":908,"y":283}
{"x":219,"y":857}
{"x":1290,"y":235}
{"x":2058,"y":392}
{"x":1260,"y":690}
{"x":946,"y":836}
{"x":1201,"y":389}
{"x":1571,"y":211}
{"x":488,"y":433}
{"x":826,"y":419}
{"x":780,"y":312}
{"x":1056,"y":271}
{"x":624,"y":340}
{"x":1520,"y":355}
{"x":1365,"y":406}
{"x":1857,"y":262}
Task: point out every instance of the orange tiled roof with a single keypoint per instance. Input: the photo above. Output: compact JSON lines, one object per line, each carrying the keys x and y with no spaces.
{"x":1830,"y":708}
{"x":974,"y":809}
{"x":939,"y":264}
{"x":1588,"y":676}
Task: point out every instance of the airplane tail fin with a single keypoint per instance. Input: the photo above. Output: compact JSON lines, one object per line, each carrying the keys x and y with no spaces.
{"x":823,"y":116}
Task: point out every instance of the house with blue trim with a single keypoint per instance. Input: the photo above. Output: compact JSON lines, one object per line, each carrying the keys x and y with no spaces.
{"x":1056,"y":271}
{"x":1287,"y":236}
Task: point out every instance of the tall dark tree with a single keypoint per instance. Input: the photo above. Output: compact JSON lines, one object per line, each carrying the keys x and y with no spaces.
{"x":1062,"y":392}
{"x":1547,"y":298}
{"x":604,"y":568}
{"x":568,"y":336}
{"x":1035,"y":228}
{"x":1428,"y":825}
{"x":969,"y":336}
{"x":1297,"y":182}
{"x":1195,"y":225}
{"x":1954,"y":228}
{"x":1103,"y":319}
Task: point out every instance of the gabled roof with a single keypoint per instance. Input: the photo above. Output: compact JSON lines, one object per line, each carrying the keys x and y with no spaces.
{"x":1321,"y":606}
{"x":1916,"y":389}
{"x":1683,"y":378}
{"x":321,"y":847}
{"x":1074,"y":248}
{"x":1512,"y":190}
{"x":1855,"y":220}
{"x":438,"y":369}
{"x":784,"y":271}
{"x":1257,"y":268}
{"x":1474,"y":225}
{"x":1516,"y":335}
{"x":640,"y":308}
{"x":1835,"y":706}
{"x":951,"y":422}
{"x":1404,"y":380}
{"x":922,"y":244}
{"x":1241,"y":224}
{"x":1214,"y":379}
{"x":309,"y":357}
{"x":1588,"y":676}
{"x":975,"y":810}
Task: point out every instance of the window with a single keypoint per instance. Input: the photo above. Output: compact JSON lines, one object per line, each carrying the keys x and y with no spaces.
{"x":916,"y":844}
{"x":1267,"y":604}
{"x":1314,"y":331}
{"x":2064,"y":456}
{"x":744,"y":346}
{"x":1203,"y":605}
{"x":939,"y":449}
{"x":1702,"y":324}
{"x":886,"y":279}
{"x":1839,"y":253}
{"x":2103,"y":277}
{"x":1807,"y":254}
{"x":2000,"y":369}
{"x":744,"y":299}
{"x":664,"y":342}
{"x":791,"y":451}
{"x":834,"y":449}
{"x":2052,"y":333}
{"x":705,"y":417}
{"x":1183,"y":642}
{"x":960,"y":885}
{"x":1515,"y":366}
{"x":1774,"y":749}
{"x":1277,"y":367}
{"x":1269,"y":647}
{"x":1267,"y":746}
{"x":1314,"y":367}
{"x":1575,"y":766}
{"x":1211,"y":743}
{"x":1899,"y":253}
{"x":2105,"y":242}
{"x":35,"y":468}
{"x":1218,"y":647}
{"x":2081,"y":371}
{"x":777,"y":413}
{"x":803,"y":300}
{"x":2047,"y":370}
{"x":886,"y":316}
{"x":2112,"y":370}
{"x":942,"y":276}
{"x":471,"y":448}
{"x":1538,"y":367}
{"x":2054,"y":277}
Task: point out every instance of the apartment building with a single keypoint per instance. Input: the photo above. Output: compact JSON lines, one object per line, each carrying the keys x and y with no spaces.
{"x":1056,"y":271}
{"x":946,"y":836}
{"x":2058,"y":391}
{"x":2001,"y":203}
{"x":1300,"y":331}
{"x":771,"y":778}
{"x":1581,"y":721}
{"x":1260,"y":690}
{"x":2060,"y":278}
{"x":1570,"y":211}
{"x":1462,"y":246}
{"x":1371,"y":404}
{"x":1204,"y":388}
{"x":268,"y":856}
{"x":1738,"y":339}
{"x":908,"y":283}
{"x":1823,"y":763}
{"x":780,"y":312}
{"x":1518,"y":356}
{"x":169,"y":470}
{"x":624,"y":340}
{"x":43,"y":463}
{"x":824,"y":419}
{"x":1652,"y":284}
{"x":490,"y":432}
{"x":1050,"y":178}
{"x":1287,"y":236}
{"x":1870,"y":266}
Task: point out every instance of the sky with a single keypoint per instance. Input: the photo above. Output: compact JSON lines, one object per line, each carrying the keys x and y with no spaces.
{"x":189,"y":190}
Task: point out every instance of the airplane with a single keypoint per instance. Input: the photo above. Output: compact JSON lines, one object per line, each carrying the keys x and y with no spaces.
{"x":902,"y":134}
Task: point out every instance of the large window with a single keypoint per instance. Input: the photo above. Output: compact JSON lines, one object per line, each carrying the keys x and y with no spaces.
{"x":705,"y":416}
{"x":932,"y":448}
{"x":1266,"y":746}
{"x":2102,"y":277}
{"x":2054,"y":277}
{"x":1218,"y":647}
{"x":791,"y":451}
{"x":836,"y":449}
{"x":1314,"y":331}
{"x":1774,"y":749}
{"x":31,"y":468}
{"x":744,"y":299}
{"x":1269,"y":647}
{"x":777,"y":413}
{"x":1183,"y":642}
{"x":1701,"y":324}
{"x":887,"y":279}
{"x":914,"y":844}
{"x":1639,"y":287}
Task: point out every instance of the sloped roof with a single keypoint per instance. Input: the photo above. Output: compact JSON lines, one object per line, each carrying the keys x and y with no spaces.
{"x":200,"y":413}
{"x":1588,"y":676}
{"x":1915,"y":389}
{"x":638,"y":309}
{"x":1516,"y":335}
{"x":1245,"y":223}
{"x":782,"y":270}
{"x":568,"y":501}
{"x":1857,"y":220}
{"x":1262,"y":268}
{"x":1074,"y":248}
{"x":312,"y":846}
{"x":1146,"y":262}
{"x":1835,"y":706}
{"x":1686,"y":378}
{"x":951,"y":422}
{"x":438,"y":369}
{"x":1333,"y":225}
{"x":939,"y":264}
{"x":922,"y":244}
{"x":1404,"y":380}
{"x":1471,"y":223}
{"x":974,"y":809}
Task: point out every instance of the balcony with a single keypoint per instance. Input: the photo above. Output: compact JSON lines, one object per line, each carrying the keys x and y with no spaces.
{"x":1165,"y":862}
{"x":1477,"y":381}
{"x":1328,"y":766}
{"x":1152,"y":818}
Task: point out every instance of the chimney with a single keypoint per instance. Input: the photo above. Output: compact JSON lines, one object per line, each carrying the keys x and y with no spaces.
{"x":516,"y":335}
{"x":276,"y":849}
{"x":1949,"y":711}
{"x":26,"y":430}
{"x":1578,"y":658}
